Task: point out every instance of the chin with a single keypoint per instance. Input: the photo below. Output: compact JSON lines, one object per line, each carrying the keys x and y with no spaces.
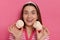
{"x":29,"y":24}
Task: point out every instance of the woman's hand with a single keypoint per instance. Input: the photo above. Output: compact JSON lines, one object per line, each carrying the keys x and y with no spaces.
{"x":15,"y":31}
{"x":42,"y":32}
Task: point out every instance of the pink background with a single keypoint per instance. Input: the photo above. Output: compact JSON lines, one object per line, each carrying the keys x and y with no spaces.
{"x":50,"y":11}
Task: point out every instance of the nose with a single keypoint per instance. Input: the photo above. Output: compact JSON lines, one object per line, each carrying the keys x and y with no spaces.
{"x":29,"y":15}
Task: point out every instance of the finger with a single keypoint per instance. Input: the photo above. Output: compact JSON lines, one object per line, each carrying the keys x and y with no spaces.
{"x":9,"y":29}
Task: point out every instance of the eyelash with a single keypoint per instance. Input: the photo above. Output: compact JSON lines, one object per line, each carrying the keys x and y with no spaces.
{"x":25,"y":13}
{"x":32,"y":13}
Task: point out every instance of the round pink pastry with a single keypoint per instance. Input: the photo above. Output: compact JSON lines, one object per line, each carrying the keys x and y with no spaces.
{"x":37,"y":25}
{"x":19,"y":24}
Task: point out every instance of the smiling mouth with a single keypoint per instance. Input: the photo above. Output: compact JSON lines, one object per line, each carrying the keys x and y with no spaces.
{"x":30,"y":20}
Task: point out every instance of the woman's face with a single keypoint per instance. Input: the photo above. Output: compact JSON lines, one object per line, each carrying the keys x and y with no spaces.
{"x":29,"y":15}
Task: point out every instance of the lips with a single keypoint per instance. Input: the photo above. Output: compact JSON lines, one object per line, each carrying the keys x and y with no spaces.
{"x":29,"y":20}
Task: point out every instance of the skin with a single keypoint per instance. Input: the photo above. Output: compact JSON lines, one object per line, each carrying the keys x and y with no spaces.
{"x":29,"y":17}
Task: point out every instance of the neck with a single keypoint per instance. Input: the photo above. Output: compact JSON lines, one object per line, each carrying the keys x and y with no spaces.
{"x":29,"y":28}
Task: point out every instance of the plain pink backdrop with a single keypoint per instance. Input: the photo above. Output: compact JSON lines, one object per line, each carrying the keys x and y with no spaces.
{"x":50,"y":11}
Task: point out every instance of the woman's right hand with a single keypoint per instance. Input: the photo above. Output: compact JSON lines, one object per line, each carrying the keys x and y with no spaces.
{"x":15,"y":31}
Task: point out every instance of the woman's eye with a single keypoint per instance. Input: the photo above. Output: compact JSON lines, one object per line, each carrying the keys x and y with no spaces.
{"x":25,"y":13}
{"x":33,"y":13}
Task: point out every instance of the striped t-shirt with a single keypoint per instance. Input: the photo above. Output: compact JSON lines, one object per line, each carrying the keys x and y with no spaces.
{"x":24,"y":36}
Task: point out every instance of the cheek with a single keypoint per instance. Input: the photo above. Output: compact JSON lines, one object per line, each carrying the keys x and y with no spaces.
{"x":24,"y":17}
{"x":35,"y":17}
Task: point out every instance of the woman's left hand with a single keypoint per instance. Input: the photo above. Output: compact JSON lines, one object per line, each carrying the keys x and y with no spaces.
{"x":42,"y":32}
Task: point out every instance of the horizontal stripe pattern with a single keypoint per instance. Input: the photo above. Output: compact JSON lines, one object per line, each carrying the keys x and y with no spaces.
{"x":11,"y":37}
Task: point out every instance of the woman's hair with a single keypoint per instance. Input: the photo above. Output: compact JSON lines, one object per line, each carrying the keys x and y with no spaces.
{"x":37,"y":9}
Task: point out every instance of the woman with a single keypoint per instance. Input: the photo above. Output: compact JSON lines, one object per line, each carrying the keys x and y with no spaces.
{"x":29,"y":15}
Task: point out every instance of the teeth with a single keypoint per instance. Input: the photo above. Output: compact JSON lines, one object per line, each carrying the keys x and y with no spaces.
{"x":29,"y":20}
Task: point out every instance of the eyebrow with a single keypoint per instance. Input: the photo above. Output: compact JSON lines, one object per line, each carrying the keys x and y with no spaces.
{"x":31,"y":11}
{"x":34,"y":11}
{"x":25,"y":11}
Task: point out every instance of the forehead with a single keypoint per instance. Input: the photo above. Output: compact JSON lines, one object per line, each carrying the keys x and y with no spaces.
{"x":29,"y":8}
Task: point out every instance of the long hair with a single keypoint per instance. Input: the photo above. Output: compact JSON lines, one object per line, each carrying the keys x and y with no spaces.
{"x":37,"y":9}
